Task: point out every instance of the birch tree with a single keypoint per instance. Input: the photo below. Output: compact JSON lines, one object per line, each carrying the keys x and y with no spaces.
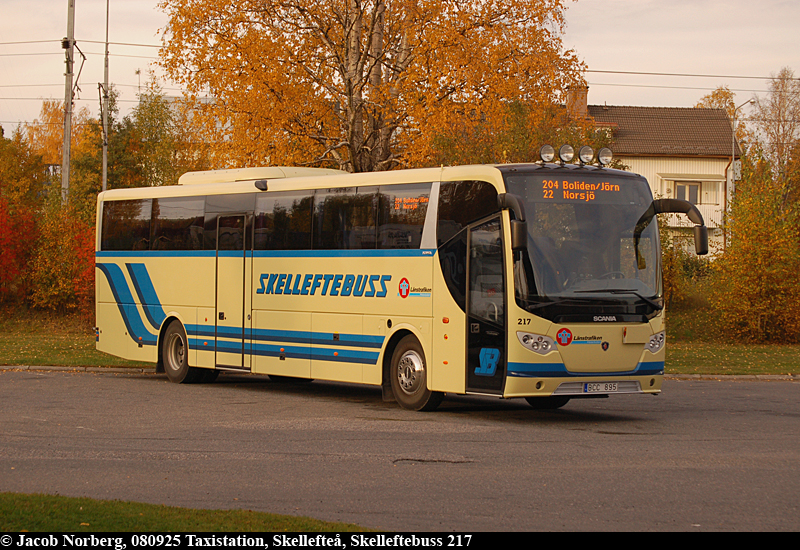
{"x":361,"y":85}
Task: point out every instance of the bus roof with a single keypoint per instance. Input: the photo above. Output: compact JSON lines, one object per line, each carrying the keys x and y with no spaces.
{"x":252,"y":174}
{"x":288,"y":178}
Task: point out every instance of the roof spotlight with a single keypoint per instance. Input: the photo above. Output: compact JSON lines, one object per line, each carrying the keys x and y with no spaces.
{"x":547,"y":153}
{"x":586,"y":154}
{"x":566,"y":153}
{"x":604,"y":156}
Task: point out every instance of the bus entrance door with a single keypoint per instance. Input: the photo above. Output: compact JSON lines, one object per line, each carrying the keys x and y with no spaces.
{"x":486,"y":316}
{"x":230,"y":291}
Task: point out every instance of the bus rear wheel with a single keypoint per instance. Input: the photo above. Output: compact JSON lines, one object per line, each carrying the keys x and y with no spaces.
{"x":408,"y":373}
{"x":175,"y":354}
{"x":547,"y":403}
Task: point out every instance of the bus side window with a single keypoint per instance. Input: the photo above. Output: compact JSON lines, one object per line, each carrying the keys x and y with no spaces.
{"x":461,"y":203}
{"x":177,"y":224}
{"x":344,"y":218}
{"x":126,"y":225}
{"x":283,"y":221}
{"x":220,"y":205}
{"x":453,"y":257}
{"x":401,"y":215}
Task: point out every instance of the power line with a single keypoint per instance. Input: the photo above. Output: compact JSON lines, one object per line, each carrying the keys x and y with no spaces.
{"x":706,"y":88}
{"x":75,"y":99}
{"x":28,"y":42}
{"x":87,"y":53}
{"x":121,"y":44}
{"x":689,"y":75}
{"x":53,"y":85}
{"x":87,"y":41}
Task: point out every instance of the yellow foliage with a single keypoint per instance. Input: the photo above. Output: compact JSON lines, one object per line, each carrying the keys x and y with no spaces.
{"x":46,"y":134}
{"x":360,"y":85}
{"x":757,"y":287}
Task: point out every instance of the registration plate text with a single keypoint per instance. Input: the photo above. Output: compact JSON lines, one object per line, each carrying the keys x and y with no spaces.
{"x":599,"y":387}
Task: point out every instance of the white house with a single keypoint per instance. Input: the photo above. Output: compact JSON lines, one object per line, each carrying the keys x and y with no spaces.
{"x":684,"y":153}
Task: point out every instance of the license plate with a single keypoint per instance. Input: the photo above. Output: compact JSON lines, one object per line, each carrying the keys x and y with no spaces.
{"x":599,"y":387}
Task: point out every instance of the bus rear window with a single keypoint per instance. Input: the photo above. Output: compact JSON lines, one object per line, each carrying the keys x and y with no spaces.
{"x":126,"y":225}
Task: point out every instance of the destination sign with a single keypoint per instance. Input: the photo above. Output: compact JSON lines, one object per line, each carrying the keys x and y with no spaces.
{"x":577,"y":190}
{"x":585,"y":190}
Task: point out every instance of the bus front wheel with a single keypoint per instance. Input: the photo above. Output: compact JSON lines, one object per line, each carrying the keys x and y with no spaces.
{"x":175,"y":354}
{"x":408,"y":373}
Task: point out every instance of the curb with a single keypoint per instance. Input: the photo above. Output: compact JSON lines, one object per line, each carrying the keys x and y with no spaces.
{"x":152,"y":370}
{"x":744,"y":377}
{"x":115,"y":370}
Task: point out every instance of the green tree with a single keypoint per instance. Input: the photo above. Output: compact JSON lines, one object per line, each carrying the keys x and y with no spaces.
{"x":155,"y":125}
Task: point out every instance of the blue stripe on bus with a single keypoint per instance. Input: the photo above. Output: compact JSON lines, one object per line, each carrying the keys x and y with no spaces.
{"x":339,"y":253}
{"x":125,"y":302}
{"x":559,"y":370}
{"x":290,"y":352}
{"x":289,"y":336}
{"x":156,"y":254}
{"x":147,"y":294}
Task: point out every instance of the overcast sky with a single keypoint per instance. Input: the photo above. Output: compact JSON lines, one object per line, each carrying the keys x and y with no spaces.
{"x":725,"y":39}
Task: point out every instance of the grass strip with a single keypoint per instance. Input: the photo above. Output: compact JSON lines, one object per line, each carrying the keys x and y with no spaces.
{"x":39,"y":339}
{"x":41,"y":513}
{"x":739,"y":359}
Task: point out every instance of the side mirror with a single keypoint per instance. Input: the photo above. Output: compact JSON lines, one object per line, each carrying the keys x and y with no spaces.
{"x":519,"y":227}
{"x":519,"y":235}
{"x":700,"y":240}
{"x":676,"y":206}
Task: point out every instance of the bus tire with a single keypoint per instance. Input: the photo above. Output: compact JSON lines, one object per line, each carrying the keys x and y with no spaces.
{"x":408,"y":373}
{"x":547,"y":403}
{"x":175,"y":355}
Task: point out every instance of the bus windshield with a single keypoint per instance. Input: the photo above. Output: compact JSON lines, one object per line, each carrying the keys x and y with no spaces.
{"x":583,"y":247}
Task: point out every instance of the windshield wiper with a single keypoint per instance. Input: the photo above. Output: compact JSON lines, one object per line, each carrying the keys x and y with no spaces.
{"x":653,"y":303}
{"x":538,"y":305}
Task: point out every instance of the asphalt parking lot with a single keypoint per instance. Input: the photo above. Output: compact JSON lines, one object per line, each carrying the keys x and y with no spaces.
{"x":703,"y":455}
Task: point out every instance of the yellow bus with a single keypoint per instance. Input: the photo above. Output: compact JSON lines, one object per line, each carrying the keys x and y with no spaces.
{"x":539,"y":281}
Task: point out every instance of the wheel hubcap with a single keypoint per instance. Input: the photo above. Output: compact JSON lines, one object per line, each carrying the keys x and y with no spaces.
{"x":411,"y":372}
{"x":175,"y":352}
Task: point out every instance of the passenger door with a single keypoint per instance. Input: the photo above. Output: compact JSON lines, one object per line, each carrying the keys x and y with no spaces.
{"x":486,"y":308}
{"x":230,"y":302}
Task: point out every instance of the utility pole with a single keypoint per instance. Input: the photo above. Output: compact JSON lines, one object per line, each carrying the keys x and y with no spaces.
{"x":68,"y":44}
{"x":105,"y":111}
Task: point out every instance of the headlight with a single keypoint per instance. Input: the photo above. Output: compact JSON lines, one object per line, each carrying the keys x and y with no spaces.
{"x":536,"y":342}
{"x":566,"y":153}
{"x":605,"y":156}
{"x":586,"y":154}
{"x":656,"y":342}
{"x":547,"y":153}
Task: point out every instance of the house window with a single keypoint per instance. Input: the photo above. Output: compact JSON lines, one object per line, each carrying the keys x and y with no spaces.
{"x":688,"y":192}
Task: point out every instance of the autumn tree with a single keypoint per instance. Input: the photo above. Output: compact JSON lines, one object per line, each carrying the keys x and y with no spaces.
{"x":362,"y":85}
{"x":22,"y":177}
{"x":757,"y":290}
{"x":757,"y":280}
{"x":777,"y":120}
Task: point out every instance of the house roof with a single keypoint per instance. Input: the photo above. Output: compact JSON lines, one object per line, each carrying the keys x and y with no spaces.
{"x":666,"y":131}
